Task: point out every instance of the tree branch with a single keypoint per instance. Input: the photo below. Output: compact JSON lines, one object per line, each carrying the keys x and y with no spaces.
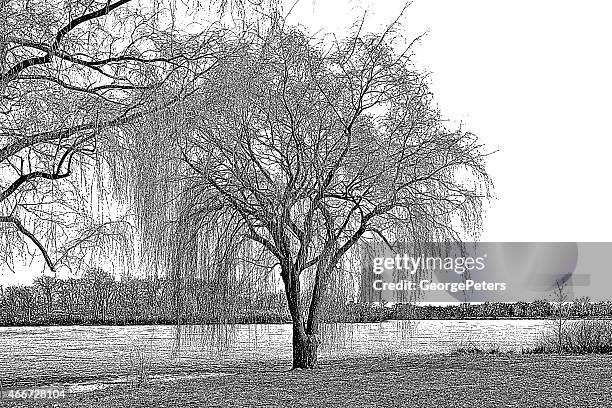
{"x":85,"y":17}
{"x":16,"y":69}
{"x":15,"y":221}
{"x":27,"y":177}
{"x":26,"y":141}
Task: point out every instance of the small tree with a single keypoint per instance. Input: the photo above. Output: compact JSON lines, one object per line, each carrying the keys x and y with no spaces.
{"x":560,"y":297}
{"x":290,"y":155}
{"x":48,"y":287}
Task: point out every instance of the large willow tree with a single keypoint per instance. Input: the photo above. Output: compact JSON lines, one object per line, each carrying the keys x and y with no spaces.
{"x":288,"y":155}
{"x":74,"y":75}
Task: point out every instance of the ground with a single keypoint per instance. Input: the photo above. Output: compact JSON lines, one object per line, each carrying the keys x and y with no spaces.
{"x":465,"y":380}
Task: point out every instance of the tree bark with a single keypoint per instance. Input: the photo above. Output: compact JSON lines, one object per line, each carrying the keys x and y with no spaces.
{"x":305,"y":343}
{"x":305,"y":348}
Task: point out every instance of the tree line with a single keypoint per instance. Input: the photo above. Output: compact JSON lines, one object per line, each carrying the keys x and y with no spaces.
{"x":540,"y":309}
{"x":98,"y":298}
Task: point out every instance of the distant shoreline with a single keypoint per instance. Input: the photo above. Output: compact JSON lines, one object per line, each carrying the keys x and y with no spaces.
{"x":114,"y":324}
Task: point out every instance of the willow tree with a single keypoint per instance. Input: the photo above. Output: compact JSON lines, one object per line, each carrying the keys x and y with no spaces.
{"x":293,"y":152}
{"x":73,"y":75}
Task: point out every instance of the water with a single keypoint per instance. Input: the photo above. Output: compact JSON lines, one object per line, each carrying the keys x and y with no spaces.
{"x":46,"y":355}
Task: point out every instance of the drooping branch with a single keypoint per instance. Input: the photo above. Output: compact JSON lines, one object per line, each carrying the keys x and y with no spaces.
{"x":24,"y":141}
{"x":56,"y":175}
{"x":28,"y":177}
{"x":15,"y":221}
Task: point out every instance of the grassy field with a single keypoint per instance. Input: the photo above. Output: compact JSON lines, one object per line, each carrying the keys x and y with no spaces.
{"x":463,"y":380}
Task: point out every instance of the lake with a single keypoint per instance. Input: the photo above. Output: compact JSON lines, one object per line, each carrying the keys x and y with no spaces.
{"x":61,"y":354}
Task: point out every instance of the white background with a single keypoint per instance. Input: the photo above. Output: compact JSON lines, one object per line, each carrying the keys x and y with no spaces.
{"x":533,"y":80}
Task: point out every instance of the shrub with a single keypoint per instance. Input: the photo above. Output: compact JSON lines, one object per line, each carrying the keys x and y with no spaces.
{"x":578,"y":337}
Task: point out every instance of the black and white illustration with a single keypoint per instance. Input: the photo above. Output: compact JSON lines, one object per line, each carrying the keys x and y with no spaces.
{"x":304,"y":203}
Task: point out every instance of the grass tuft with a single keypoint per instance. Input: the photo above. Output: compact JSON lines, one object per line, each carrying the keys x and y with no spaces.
{"x":470,"y":348}
{"x":141,"y":363}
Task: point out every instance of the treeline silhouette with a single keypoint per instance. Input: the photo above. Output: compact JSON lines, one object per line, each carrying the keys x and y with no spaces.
{"x":97,"y":298}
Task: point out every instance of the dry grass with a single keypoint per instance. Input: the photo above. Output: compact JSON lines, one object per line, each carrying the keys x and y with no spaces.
{"x":474,"y":380}
{"x":473,"y":348}
{"x":578,"y":337}
{"x":140,"y":362}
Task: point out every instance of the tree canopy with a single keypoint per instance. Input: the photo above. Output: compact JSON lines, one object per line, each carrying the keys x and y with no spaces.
{"x":73,"y":75}
{"x":290,"y":153}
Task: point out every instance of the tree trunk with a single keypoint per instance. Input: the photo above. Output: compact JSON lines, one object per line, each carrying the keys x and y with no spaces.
{"x":304,"y":348}
{"x":305,"y":344}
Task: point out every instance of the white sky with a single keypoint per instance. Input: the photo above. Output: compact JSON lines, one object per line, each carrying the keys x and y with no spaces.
{"x":532,"y":79}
